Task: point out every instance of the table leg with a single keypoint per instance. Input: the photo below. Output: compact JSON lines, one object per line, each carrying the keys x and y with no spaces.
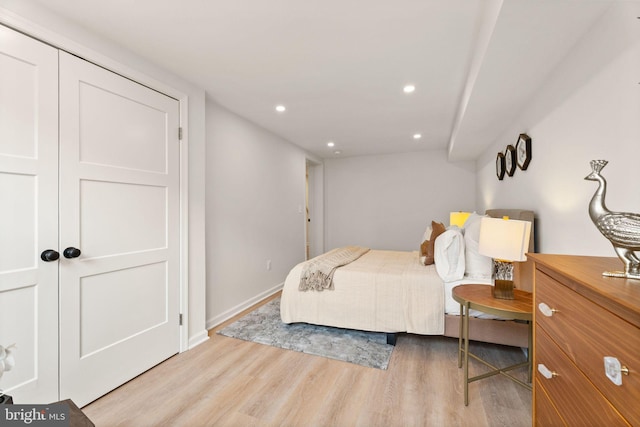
{"x":466,"y":354}
{"x":530,"y":349}
{"x":460,"y":340}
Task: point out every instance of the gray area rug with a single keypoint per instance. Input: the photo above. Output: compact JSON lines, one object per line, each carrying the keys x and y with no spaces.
{"x":264,"y":326}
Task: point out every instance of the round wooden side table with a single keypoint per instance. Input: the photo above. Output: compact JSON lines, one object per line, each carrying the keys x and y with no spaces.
{"x":478,"y":297}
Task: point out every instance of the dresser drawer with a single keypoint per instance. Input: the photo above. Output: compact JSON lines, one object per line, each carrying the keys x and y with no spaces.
{"x":587,"y":333}
{"x":545,"y":413}
{"x":577,"y":401}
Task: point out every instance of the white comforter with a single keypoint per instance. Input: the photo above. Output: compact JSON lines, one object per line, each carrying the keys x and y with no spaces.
{"x":383,"y":291}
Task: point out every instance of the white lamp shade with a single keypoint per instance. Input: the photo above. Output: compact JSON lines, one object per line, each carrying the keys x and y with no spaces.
{"x":504,"y":239}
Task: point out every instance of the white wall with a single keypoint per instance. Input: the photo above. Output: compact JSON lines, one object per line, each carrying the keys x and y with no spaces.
{"x":61,"y":33}
{"x":589,"y":109}
{"x":255,"y":201}
{"x":386,"y":201}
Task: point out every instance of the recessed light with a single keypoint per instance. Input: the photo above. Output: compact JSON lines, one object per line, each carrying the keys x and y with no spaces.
{"x":337,"y":152}
{"x":331,"y":144}
{"x":281,"y":108}
{"x":409,"y":89}
{"x":417,"y":135}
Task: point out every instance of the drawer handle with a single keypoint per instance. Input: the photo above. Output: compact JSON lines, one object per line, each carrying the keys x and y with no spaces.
{"x":546,"y":310}
{"x":614,"y":370}
{"x":546,"y":372}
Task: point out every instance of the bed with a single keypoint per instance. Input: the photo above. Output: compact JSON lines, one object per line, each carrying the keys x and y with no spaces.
{"x":393,"y":292}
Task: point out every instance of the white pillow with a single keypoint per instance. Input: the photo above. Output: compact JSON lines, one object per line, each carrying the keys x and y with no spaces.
{"x":477,"y":266}
{"x":449,"y":255}
{"x":455,"y":227}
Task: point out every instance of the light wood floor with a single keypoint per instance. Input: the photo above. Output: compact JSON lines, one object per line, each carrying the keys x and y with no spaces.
{"x":229,"y":382}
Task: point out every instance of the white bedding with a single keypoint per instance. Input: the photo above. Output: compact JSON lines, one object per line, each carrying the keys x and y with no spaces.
{"x":384,"y":291}
{"x":452,"y":307}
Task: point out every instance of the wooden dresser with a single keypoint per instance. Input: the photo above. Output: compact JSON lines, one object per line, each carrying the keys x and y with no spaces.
{"x":580,"y":318}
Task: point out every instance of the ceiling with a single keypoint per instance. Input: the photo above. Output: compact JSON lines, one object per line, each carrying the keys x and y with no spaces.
{"x":339,"y":66}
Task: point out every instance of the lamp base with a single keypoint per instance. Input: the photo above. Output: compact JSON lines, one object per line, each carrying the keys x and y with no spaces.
{"x":502,"y":289}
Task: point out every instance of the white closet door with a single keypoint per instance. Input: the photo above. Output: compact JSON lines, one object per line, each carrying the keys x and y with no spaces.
{"x":119,"y":205}
{"x":29,"y":215}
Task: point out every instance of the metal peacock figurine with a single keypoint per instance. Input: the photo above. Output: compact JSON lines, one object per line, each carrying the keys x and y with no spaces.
{"x":621,"y":228}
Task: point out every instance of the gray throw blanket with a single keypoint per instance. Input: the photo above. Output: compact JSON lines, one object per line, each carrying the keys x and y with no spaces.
{"x":317,"y":274}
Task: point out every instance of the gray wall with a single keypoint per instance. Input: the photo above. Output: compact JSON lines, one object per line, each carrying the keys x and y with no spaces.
{"x":589,"y":109}
{"x":255,"y":201}
{"x":387,"y":201}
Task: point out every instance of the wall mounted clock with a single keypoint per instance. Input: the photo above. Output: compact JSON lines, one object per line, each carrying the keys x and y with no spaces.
{"x":523,"y":151}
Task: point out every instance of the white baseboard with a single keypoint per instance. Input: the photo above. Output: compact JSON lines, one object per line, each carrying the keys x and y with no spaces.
{"x":215,"y":321}
{"x":198,"y":339}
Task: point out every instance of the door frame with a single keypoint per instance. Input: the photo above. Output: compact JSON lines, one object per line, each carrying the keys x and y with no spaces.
{"x":314,"y":194}
{"x":60,"y":42}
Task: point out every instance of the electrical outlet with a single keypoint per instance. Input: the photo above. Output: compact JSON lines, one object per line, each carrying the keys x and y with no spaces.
{"x":268,"y":264}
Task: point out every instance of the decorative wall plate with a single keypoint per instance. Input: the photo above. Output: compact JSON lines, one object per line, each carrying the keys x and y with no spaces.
{"x":510,"y":160}
{"x":500,"y":166}
{"x":523,"y":151}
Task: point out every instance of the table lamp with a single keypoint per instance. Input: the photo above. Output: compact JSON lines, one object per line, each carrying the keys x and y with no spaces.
{"x":458,"y":218}
{"x":506,"y":241}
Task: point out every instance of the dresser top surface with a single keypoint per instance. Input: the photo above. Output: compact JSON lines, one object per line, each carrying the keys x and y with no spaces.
{"x":583,"y":274}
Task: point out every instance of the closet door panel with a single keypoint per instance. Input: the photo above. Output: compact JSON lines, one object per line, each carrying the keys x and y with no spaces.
{"x":29,"y":215}
{"x":105,"y":141}
{"x":144,"y":221}
{"x":119,"y":204}
{"x":18,"y":224}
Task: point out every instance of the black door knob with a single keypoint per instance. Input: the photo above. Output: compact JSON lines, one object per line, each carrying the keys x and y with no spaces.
{"x":49,"y":255}
{"x":71,"y":252}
